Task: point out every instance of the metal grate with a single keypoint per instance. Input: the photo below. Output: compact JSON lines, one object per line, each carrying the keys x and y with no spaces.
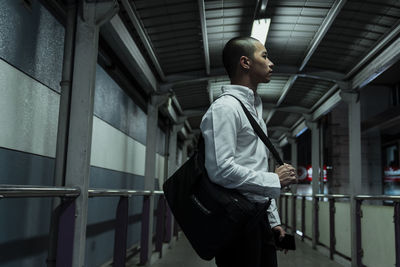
{"x":356,"y":30}
{"x":306,"y":92}
{"x":175,"y":32}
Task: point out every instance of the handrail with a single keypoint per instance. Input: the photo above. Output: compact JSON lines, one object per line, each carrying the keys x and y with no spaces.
{"x":330,"y":196}
{"x":357,"y":197}
{"x":21,"y":191}
{"x":9,"y":191}
{"x":377,"y":197}
{"x":101,"y":192}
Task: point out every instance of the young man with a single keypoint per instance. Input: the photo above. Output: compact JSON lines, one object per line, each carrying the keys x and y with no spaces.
{"x":237,"y":158}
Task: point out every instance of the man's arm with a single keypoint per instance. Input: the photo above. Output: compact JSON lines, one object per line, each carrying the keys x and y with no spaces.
{"x":273,"y":215}
{"x":219,"y":128}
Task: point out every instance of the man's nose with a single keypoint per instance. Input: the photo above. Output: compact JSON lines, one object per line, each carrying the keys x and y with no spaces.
{"x":271,"y":64}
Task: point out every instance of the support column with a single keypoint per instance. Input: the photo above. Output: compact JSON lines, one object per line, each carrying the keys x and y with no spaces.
{"x":315,"y":150}
{"x":352,"y":99}
{"x":293,"y":145}
{"x":77,"y":170}
{"x":172,"y":150}
{"x":184,"y":149}
{"x":150,"y":175}
{"x":321,"y":161}
{"x":62,"y":131}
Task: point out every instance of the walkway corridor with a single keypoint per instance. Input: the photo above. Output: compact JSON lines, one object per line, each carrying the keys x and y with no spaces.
{"x":182,"y":255}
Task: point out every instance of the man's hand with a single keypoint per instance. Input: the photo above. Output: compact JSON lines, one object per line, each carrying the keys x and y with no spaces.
{"x":281,"y":234}
{"x":287,"y":174}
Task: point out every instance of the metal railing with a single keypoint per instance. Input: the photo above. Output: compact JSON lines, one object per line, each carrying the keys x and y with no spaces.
{"x":332,"y":199}
{"x":8,"y":191}
{"x":65,"y":214}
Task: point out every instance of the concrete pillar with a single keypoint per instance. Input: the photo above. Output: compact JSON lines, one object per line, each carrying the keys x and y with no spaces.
{"x":293,"y":145}
{"x":150,"y":165}
{"x":81,"y":116}
{"x":321,"y":161}
{"x":172,"y":151}
{"x":355,"y":167}
{"x":315,"y":150}
{"x":173,"y":147}
{"x":184,"y":150}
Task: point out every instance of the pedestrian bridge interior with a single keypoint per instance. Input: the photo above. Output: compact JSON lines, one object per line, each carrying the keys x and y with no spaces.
{"x":101,"y":101}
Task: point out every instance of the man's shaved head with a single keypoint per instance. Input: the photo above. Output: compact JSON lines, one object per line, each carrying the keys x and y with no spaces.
{"x":234,"y":49}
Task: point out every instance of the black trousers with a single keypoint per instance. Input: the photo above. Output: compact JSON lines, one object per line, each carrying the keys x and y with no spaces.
{"x":254,"y":248}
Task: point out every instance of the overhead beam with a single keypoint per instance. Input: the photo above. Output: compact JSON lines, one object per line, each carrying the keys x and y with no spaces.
{"x":323,"y":29}
{"x":210,"y":92}
{"x":292,"y":109}
{"x":263,"y":7}
{"x":325,"y":97}
{"x":286,"y":89}
{"x":377,"y":47}
{"x":131,"y":11}
{"x":197,"y":76}
{"x":118,"y":36}
{"x":378,"y":65}
{"x":204,"y":35}
{"x":189,"y":113}
{"x":270,"y":114}
{"x":279,"y":129}
{"x":327,"y":106}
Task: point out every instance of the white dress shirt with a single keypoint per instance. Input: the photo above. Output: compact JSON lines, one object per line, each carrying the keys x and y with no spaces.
{"x":235,"y":156}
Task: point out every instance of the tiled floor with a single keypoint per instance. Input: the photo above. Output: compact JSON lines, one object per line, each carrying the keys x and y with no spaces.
{"x":182,"y":255}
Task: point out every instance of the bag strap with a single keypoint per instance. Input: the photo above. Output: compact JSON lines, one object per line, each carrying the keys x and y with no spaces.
{"x":260,"y":132}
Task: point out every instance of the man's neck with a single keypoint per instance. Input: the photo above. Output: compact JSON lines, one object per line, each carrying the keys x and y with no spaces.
{"x":244,"y":81}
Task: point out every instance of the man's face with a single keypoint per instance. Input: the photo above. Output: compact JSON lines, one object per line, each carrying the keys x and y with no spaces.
{"x":261,"y":67}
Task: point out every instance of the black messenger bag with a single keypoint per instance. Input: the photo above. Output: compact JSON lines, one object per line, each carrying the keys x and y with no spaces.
{"x":210,"y":215}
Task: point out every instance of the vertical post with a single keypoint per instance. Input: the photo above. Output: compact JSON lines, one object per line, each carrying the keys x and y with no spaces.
{"x":66,"y":225}
{"x":280,"y":206}
{"x":397,"y":231}
{"x":321,"y":160}
{"x":81,"y":115}
{"x":303,"y":217}
{"x":121,"y":232}
{"x":293,"y":145}
{"x":358,"y":258}
{"x":286,"y":211}
{"x":62,"y":131}
{"x":172,"y":150}
{"x":315,"y":150}
{"x":294,"y":200}
{"x":160,"y":224}
{"x":316,"y":222}
{"x":150,"y":174}
{"x":293,"y":187}
{"x":184,"y":150}
{"x":145,"y":238}
{"x":355,"y":167}
{"x":332,"y":238}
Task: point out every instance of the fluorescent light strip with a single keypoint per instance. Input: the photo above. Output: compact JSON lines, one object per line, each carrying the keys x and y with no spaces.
{"x":260,"y":29}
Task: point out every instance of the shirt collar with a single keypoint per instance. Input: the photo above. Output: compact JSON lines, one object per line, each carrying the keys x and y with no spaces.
{"x":242,"y":92}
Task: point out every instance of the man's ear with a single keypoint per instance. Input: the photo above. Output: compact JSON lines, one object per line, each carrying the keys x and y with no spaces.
{"x":245,"y":62}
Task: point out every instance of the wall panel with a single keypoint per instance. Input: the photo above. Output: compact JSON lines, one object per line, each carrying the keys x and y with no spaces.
{"x":28,"y":113}
{"x":112,"y":149}
{"x":114,"y":106}
{"x":32,"y":40}
{"x":377,"y":229}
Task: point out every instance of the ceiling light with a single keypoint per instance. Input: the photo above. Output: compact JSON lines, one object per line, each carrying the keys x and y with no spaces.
{"x":260,"y":29}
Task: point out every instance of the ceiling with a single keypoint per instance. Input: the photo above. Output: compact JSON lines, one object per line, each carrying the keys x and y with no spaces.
{"x":317,"y":46}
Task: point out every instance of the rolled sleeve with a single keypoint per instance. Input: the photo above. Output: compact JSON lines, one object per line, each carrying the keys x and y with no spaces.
{"x":273,"y":215}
